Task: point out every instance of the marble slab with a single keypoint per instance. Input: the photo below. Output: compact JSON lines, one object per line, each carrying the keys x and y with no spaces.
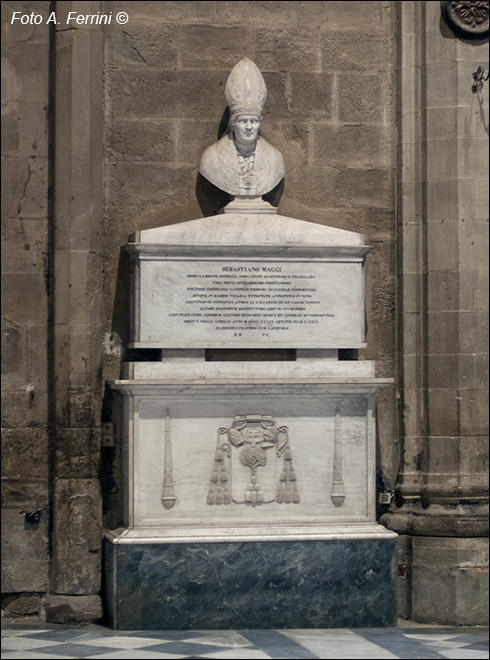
{"x":243,"y":279}
{"x":319,"y":370}
{"x":312,"y":584}
{"x":198,"y":444}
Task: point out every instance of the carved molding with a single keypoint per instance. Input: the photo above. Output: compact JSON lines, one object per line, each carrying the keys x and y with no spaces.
{"x":467,"y":18}
{"x":253,"y":436}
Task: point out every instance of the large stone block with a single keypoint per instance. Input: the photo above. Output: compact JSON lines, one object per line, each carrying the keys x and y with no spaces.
{"x":321,"y":182}
{"x":474,"y":412}
{"x":443,"y":332}
{"x":25,"y":128}
{"x":171,"y":12}
{"x":364,"y":187}
{"x":192,"y":138}
{"x":78,"y":287}
{"x":442,"y":159}
{"x":474,"y":457}
{"x":24,"y":245}
{"x":140,"y":44}
{"x":473,"y":243}
{"x":311,"y":96}
{"x":450,"y":581}
{"x":134,"y":140}
{"x":25,"y":368}
{"x":444,"y":412}
{"x":29,"y":494}
{"x":444,"y":456}
{"x":359,"y":51}
{"x":73,"y":609}
{"x":15,"y":352}
{"x":482,"y":290}
{"x":17,"y":32}
{"x":10,"y":129}
{"x":77,"y":537}
{"x":256,"y":13}
{"x":24,"y":409}
{"x":442,"y":233}
{"x":26,"y":72}
{"x":380,"y":300}
{"x":77,"y":453}
{"x":78,"y":356}
{"x":25,"y":559}
{"x":135,"y":188}
{"x":481,"y":371}
{"x":25,"y":187}
{"x":443,"y":290}
{"x":363,"y":99}
{"x":25,"y":453}
{"x":153,"y":93}
{"x":286,"y":50}
{"x":352,"y":219}
{"x":443,"y":216}
{"x":404,"y":576}
{"x":355,"y":145}
{"x":24,"y":298}
{"x":473,"y":198}
{"x":212,"y":47}
{"x":443,"y":371}
{"x":379,"y":225}
{"x":78,"y":408}
{"x":21,"y":605}
{"x":293,"y":141}
{"x":285,"y":584}
{"x":473,"y":329}
{"x":358,"y":16}
{"x":276,"y":106}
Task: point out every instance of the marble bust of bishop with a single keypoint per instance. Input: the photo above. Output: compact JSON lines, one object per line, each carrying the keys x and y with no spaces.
{"x":242,"y":163}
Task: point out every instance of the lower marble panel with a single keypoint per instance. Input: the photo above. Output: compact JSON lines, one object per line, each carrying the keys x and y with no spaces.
{"x":279,"y":584}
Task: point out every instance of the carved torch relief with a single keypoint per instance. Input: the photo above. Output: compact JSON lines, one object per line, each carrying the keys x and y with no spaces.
{"x":253,"y":464}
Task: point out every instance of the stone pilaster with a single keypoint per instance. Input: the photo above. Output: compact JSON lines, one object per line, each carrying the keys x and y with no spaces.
{"x":76,"y":317}
{"x":443,"y":234}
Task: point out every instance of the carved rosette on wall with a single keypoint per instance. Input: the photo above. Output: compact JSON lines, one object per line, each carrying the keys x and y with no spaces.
{"x":255,"y":467}
{"x":468,"y":19}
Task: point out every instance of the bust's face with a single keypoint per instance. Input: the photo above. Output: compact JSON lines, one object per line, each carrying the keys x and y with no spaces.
{"x":246,"y":129}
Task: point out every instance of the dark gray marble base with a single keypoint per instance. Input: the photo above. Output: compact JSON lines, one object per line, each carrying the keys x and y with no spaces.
{"x":281,"y":584}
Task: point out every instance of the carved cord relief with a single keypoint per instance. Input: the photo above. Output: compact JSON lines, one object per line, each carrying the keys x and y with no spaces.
{"x":168,"y":494}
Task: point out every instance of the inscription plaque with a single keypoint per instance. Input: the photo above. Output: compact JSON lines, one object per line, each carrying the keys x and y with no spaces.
{"x":245,"y":303}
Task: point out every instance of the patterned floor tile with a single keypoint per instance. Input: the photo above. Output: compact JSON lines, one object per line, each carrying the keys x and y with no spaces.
{"x":238,"y":654}
{"x":123,"y":642}
{"x":184,"y":648}
{"x":53,"y":642}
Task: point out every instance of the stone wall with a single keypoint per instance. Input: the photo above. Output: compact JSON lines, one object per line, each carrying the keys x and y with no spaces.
{"x":25,"y":239}
{"x":441,"y":510}
{"x":132,"y":108}
{"x":328,"y":67}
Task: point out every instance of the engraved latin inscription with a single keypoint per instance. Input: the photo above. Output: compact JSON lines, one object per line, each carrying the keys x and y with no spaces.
{"x":244,"y":300}
{"x":209,"y":303}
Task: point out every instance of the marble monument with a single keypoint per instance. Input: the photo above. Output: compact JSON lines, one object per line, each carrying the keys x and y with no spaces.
{"x":248,"y":486}
{"x":242,"y":163}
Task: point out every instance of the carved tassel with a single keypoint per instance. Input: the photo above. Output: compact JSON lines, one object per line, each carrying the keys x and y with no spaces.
{"x":220,"y":481}
{"x":168,"y":495}
{"x":338,"y":493}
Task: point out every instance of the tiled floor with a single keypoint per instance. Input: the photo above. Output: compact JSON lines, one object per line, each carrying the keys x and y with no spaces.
{"x":27,"y":639}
